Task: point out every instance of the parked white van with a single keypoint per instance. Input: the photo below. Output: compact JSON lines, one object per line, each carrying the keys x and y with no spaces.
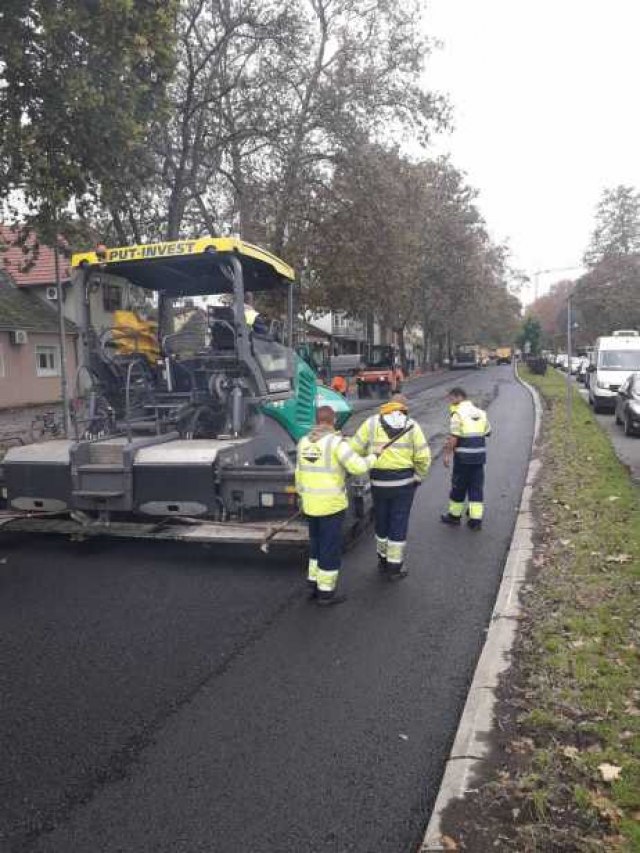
{"x":613,"y":359}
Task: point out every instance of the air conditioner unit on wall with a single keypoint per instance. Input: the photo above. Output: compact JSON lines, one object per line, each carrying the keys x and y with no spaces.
{"x":18,"y":336}
{"x":52,"y":293}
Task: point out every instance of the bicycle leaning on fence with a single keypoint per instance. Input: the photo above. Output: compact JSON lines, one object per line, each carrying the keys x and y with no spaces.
{"x":48,"y":424}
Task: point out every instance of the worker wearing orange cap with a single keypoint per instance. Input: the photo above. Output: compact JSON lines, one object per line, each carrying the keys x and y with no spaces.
{"x":403,"y":460}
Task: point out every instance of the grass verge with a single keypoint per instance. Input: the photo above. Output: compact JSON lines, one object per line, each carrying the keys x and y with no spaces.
{"x":565,"y":772}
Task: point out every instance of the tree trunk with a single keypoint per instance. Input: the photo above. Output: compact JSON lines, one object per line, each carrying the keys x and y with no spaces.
{"x":402,"y":346}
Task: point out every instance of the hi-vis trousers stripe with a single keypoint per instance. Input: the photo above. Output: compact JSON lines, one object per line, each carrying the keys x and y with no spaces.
{"x":395,"y":552}
{"x":326,"y":581}
{"x":313,"y":570}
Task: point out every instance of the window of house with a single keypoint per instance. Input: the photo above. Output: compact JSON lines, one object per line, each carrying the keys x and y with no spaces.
{"x":48,"y":360}
{"x":112,"y":297}
{"x":3,"y":366}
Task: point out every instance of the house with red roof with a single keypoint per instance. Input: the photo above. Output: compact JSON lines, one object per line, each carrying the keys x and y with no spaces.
{"x":30,"y":353}
{"x":30,"y":265}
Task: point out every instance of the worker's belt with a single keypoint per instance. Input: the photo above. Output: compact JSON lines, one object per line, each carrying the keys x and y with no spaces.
{"x":390,"y":479}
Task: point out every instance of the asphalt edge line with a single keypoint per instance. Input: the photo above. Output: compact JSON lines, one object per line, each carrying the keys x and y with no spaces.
{"x":471,"y":744}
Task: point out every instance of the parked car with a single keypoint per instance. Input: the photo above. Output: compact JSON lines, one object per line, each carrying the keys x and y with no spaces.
{"x":562,"y":361}
{"x":575,"y":364}
{"x":615,"y":358}
{"x":628,"y":405}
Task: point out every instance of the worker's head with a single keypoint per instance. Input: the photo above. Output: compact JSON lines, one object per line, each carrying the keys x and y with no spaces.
{"x":248,"y":298}
{"x":456,"y":395}
{"x":325,"y":416}
{"x":395,"y":412}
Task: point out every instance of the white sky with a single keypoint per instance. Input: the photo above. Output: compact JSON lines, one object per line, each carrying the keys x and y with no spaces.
{"x":546,"y":99}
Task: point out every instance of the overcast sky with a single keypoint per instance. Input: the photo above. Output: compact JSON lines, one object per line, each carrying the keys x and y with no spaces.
{"x":547,"y":113}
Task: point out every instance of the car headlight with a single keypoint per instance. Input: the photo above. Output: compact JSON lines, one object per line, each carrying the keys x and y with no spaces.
{"x":600,"y":384}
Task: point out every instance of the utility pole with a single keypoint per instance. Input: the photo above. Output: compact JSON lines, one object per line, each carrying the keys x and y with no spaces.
{"x":64,"y":382}
{"x":569,"y":348}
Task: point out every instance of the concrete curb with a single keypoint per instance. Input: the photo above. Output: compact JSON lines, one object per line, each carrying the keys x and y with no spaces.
{"x":471,"y":745}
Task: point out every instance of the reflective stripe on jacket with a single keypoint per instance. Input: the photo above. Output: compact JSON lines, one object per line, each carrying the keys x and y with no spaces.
{"x":470,"y":426}
{"x":407,"y":460}
{"x":323,"y":459}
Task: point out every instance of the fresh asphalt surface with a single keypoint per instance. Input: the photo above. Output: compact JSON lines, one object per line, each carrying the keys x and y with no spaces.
{"x":164,"y":698}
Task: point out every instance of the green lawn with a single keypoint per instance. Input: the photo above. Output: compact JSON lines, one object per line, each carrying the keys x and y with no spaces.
{"x":567,"y":770}
{"x":587,"y":600}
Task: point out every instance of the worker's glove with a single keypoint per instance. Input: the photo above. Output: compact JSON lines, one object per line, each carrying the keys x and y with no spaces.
{"x":371,"y":459}
{"x":417,"y":481}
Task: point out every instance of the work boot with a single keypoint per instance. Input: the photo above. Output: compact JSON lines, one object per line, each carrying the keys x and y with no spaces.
{"x":474,"y":524}
{"x":329,"y":599}
{"x":382,"y":564}
{"x":453,"y":520}
{"x":312,"y":590}
{"x":397,"y":573}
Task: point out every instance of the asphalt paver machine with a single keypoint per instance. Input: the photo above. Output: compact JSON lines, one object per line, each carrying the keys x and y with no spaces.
{"x":193,"y":439}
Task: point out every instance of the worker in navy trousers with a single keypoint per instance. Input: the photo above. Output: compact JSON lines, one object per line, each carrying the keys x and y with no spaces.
{"x":466,"y":444}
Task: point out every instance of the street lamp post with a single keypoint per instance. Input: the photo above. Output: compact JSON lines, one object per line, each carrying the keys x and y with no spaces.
{"x":569,"y":348}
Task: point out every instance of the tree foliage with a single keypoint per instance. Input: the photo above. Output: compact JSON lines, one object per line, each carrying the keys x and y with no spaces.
{"x":404,"y":243}
{"x":608,"y":296}
{"x":80,"y":81}
{"x":275,"y":119}
{"x":530,"y":335}
{"x":617,"y":227}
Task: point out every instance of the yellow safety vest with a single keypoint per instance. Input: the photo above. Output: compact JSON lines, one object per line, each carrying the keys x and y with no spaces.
{"x":407,"y":455}
{"x":320,"y":472}
{"x":470,"y":426}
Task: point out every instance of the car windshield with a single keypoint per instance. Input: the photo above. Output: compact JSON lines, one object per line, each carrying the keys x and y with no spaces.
{"x":625,"y":359}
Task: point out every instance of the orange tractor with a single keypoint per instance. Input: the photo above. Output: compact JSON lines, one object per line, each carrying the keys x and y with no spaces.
{"x":381,"y":375}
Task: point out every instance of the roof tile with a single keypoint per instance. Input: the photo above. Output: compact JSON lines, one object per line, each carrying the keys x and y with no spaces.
{"x":29,"y":265}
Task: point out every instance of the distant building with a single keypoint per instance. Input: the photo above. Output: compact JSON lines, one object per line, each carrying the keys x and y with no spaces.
{"x":347,"y":334}
{"x":30,"y":348}
{"x":31,"y":266}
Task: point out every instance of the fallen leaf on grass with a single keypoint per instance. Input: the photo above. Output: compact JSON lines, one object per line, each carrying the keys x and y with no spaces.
{"x":619,"y":558}
{"x":606,"y":809}
{"x":613,"y":498}
{"x":571,"y":752}
{"x":525,"y":744}
{"x":609,"y":772}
